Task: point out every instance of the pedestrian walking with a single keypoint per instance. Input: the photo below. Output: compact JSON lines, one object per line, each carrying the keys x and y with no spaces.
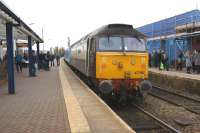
{"x":18,"y":62}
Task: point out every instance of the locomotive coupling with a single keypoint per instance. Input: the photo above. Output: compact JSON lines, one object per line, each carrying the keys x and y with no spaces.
{"x":145,"y":86}
{"x":105,"y":87}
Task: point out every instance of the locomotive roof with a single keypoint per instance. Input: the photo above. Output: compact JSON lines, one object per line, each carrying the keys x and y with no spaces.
{"x":117,"y":29}
{"x":113,"y":29}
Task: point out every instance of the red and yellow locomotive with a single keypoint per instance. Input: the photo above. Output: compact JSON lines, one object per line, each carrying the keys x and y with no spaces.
{"x":115,"y":59}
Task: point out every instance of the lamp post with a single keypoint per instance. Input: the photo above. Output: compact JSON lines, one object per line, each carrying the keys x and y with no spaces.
{"x":175,"y":63}
{"x":43,"y":36}
{"x":42,"y":33}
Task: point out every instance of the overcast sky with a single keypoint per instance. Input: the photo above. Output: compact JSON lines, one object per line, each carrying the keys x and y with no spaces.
{"x":76,"y":18}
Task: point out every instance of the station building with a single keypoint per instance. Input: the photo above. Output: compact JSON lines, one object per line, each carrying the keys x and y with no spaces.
{"x":174,"y":35}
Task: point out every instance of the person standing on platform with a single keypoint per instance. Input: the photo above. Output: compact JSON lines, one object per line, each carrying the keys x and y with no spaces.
{"x":180,"y":60}
{"x":188,"y":62}
{"x":194,"y":56}
{"x":197,"y":62}
{"x":165,"y":62}
{"x":159,"y":59}
{"x":58,"y":60}
{"x":47,"y":59}
{"x":33,"y":59}
{"x":52,"y":57}
{"x":150,"y":57}
{"x":1,"y":61}
{"x":40,"y":61}
{"x":18,"y":62}
{"x":25,"y":60}
{"x":156,"y":59}
{"x":153,"y":59}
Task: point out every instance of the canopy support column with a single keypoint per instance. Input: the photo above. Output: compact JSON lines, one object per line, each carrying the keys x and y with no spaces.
{"x":30,"y":56}
{"x":38,"y":49}
{"x":10,"y":61}
{"x":38,"y":52}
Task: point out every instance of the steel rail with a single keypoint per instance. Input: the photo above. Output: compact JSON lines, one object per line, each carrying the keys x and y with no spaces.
{"x":175,"y":93}
{"x":160,"y":122}
{"x":188,"y":107}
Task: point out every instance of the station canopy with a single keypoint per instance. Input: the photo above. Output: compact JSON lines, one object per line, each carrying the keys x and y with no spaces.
{"x":21,"y":30}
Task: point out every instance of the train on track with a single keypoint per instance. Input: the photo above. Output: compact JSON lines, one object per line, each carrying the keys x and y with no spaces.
{"x":114,"y":59}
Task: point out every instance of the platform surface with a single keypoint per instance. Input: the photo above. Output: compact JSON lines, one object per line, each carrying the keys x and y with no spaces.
{"x":180,"y":74}
{"x":37,"y":107}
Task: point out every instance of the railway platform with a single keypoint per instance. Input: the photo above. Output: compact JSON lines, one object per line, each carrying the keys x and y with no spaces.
{"x":176,"y":80}
{"x":55,"y":101}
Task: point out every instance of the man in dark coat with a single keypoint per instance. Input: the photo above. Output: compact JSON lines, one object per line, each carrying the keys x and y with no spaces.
{"x":156,"y":59}
{"x":159,"y":59}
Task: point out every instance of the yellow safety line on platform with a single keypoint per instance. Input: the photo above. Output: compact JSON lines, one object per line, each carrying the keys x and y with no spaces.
{"x":78,"y":122}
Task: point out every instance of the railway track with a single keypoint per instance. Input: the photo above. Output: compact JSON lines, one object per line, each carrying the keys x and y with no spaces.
{"x":161,"y":123}
{"x":141,"y":120}
{"x":189,"y":103}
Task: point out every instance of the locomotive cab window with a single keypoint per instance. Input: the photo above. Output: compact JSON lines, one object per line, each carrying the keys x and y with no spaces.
{"x":134,"y":44}
{"x":120,"y":43}
{"x":110,"y":43}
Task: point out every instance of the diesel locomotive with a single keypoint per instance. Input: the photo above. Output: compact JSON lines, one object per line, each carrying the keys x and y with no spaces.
{"x":114,"y":59}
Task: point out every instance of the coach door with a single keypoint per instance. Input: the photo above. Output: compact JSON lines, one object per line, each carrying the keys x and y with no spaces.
{"x":87,"y":57}
{"x":91,"y":57}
